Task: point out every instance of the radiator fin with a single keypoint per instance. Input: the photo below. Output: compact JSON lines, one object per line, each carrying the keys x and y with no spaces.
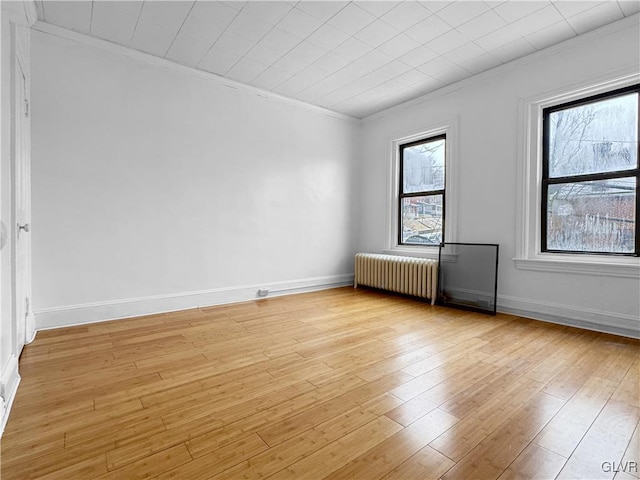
{"x":408,"y":275}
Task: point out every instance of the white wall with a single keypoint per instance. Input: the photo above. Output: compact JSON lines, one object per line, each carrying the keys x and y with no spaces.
{"x":487,"y":110}
{"x":174,"y":190}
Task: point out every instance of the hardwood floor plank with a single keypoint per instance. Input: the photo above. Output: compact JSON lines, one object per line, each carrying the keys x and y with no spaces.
{"x":340,"y":383}
{"x":393,"y":364}
{"x":333,"y":456}
{"x":290,"y":451}
{"x":631,"y":459}
{"x":293,"y":425}
{"x":99,"y":437}
{"x":394,"y":450}
{"x":563,"y":433}
{"x":218,"y":460}
{"x":627,"y":391}
{"x":606,"y":441}
{"x":495,"y":453}
{"x":89,"y":468}
{"x":435,"y":376}
{"x":238,"y":425}
{"x":65,"y":459}
{"x":463,"y":437}
{"x":534,"y":462}
{"x":152,"y":465}
{"x":444,"y":388}
{"x":426,"y":464}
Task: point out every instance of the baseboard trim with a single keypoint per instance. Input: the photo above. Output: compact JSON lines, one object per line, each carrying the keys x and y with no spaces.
{"x":589,"y":319}
{"x":9,"y":381}
{"x":73,"y":315}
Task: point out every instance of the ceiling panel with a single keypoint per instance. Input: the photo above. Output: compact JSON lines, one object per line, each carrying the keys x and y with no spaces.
{"x":72,"y":15}
{"x":322,"y":10}
{"x":280,"y":39}
{"x":428,"y":29}
{"x":266,"y":54}
{"x":377,"y":8}
{"x":204,"y":25}
{"x":512,"y":11}
{"x":398,"y":45}
{"x":481,"y":63}
{"x":331,"y":62}
{"x":482,"y":25}
{"x":512,"y":50}
{"x":460,"y":12}
{"x":327,"y":37}
{"x":405,"y":15}
{"x":218,"y":60}
{"x":270,"y":78}
{"x":354,"y":57}
{"x":351,"y":19}
{"x":377,"y":33}
{"x":115,"y":21}
{"x":158,"y":25}
{"x":447,"y":42}
{"x":499,"y":38}
{"x":245,"y":70}
{"x":547,"y":36}
{"x":592,"y":18}
{"x":269,"y":12}
{"x":307,"y":52}
{"x":299,"y":23}
{"x":538,"y":20}
{"x":418,"y":56}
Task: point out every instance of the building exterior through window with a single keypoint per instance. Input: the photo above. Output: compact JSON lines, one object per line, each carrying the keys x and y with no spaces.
{"x":590,"y":175}
{"x":422,"y":191}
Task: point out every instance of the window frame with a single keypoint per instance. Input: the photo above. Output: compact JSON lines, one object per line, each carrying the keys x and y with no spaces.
{"x":448,"y":127}
{"x":582,"y":178}
{"x":529,"y":254}
{"x":423,"y":193}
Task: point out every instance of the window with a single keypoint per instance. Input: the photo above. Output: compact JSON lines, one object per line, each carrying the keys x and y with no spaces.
{"x":562,"y":195}
{"x":421,"y":193}
{"x":590,"y":175}
{"x":421,"y":206}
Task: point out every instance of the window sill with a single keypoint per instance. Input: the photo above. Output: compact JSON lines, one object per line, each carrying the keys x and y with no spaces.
{"x":619,"y":267}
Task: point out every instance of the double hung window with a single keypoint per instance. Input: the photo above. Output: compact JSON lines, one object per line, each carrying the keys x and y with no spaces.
{"x":590,"y":175}
{"x":421,"y":206}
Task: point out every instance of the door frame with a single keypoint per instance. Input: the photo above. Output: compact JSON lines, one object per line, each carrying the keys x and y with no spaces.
{"x":19,"y":62}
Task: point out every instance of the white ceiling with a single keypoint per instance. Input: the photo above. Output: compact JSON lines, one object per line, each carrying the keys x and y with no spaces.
{"x":355,"y":57}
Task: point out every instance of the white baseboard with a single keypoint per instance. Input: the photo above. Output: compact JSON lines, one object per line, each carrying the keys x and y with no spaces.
{"x":72,"y":315}
{"x":597,"y":320}
{"x":601,"y":321}
{"x":9,"y":381}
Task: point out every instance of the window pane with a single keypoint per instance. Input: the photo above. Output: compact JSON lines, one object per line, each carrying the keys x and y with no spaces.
{"x":423,"y":167}
{"x":597,"y":137}
{"x":596,"y":216}
{"x":422,"y":220}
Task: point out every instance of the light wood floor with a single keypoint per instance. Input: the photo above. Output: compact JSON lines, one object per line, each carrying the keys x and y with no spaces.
{"x":342,"y":383}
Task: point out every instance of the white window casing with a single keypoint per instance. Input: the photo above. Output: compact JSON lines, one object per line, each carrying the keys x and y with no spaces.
{"x":450,"y":129}
{"x":528,"y":236}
